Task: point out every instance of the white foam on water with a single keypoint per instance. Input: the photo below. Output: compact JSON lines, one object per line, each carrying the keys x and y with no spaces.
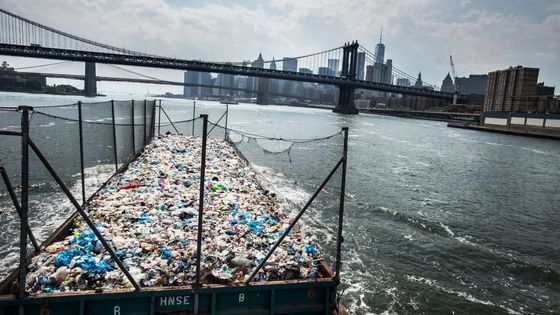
{"x":534,"y":150}
{"x":55,"y":208}
{"x":282,"y":185}
{"x":461,"y":294}
{"x":447,"y":229}
{"x":389,"y":210}
{"x":422,"y":163}
{"x":51,"y":124}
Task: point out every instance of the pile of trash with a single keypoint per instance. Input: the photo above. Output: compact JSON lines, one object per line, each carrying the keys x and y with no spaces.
{"x":149,"y":214}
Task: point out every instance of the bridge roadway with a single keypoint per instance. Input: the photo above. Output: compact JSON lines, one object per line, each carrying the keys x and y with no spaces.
{"x":180,"y":64}
{"x":162,"y":82}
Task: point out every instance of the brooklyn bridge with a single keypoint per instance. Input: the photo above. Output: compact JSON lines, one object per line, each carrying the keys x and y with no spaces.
{"x":25,"y":38}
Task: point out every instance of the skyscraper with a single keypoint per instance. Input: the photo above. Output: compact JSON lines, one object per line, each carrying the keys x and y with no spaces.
{"x":380,"y":49}
{"x":361,"y":65}
{"x":333,"y":65}
{"x":369,"y":73}
{"x":191,"y":77}
{"x":381,"y":72}
{"x":225,"y":80}
{"x":196,"y":77}
{"x":274,"y":86}
{"x":289,"y":64}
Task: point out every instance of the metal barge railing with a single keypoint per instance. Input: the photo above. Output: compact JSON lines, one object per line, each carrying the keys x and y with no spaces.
{"x":309,"y":296}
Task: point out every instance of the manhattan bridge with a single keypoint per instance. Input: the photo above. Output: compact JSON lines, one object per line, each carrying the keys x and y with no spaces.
{"x":25,"y":38}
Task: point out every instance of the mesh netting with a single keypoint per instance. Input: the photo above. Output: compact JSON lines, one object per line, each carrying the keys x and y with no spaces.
{"x":99,"y":147}
{"x":294,"y":169}
{"x":291,"y":168}
{"x":55,"y":131}
{"x":124,"y":131}
{"x":287,"y":172}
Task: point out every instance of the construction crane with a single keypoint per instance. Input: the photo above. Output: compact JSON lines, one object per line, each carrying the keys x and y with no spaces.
{"x":455,"y":85}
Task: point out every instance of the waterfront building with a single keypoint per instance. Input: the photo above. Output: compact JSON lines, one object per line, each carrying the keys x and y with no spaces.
{"x":510,"y":89}
{"x":447,"y":84}
{"x":305,"y":70}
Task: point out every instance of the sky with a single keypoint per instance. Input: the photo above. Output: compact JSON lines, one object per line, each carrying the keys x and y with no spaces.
{"x":419,"y":35}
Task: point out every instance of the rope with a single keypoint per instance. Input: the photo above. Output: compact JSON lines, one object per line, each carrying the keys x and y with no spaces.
{"x":261,"y":137}
{"x":56,"y":106}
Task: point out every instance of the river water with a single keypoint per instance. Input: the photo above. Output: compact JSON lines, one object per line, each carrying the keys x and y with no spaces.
{"x":437,"y":220}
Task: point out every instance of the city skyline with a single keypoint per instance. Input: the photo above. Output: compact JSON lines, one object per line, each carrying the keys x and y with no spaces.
{"x":419,"y":35}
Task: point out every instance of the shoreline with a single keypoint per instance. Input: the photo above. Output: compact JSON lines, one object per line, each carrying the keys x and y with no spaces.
{"x":523,"y":133}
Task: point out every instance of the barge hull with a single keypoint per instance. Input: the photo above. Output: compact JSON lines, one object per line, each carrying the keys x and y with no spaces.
{"x":307,"y":297}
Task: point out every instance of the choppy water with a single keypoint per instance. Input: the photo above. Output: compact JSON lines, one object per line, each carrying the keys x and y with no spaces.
{"x":438,"y":220}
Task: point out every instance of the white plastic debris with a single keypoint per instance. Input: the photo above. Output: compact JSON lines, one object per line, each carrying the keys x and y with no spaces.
{"x":149,"y":215}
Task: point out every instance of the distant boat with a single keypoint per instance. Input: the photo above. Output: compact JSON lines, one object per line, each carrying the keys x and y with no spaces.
{"x":229,"y":103}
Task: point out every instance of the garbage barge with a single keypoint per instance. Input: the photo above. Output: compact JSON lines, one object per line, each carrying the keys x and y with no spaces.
{"x":147,"y":213}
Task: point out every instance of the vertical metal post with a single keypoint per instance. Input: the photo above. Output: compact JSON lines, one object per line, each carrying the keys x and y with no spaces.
{"x":145,"y":113}
{"x":159,"y":119}
{"x":193,"y":114}
{"x":339,"y":238}
{"x":227,"y":114}
{"x":24,"y":202}
{"x":114,"y":136}
{"x":201,"y":198}
{"x":133,"y":135}
{"x":82,"y":152}
{"x":153,"y":121}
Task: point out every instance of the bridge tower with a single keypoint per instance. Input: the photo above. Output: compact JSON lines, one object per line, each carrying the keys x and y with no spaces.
{"x":349,"y":70}
{"x":263,"y":94}
{"x":90,"y":83}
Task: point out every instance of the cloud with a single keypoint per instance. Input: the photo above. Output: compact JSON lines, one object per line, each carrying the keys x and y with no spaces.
{"x":554,"y":8}
{"x":419,"y":34}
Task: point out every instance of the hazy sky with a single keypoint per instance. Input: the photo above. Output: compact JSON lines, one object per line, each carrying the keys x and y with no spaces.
{"x":482,"y":35}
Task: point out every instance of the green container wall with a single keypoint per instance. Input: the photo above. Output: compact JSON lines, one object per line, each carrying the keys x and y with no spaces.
{"x":310,"y":297}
